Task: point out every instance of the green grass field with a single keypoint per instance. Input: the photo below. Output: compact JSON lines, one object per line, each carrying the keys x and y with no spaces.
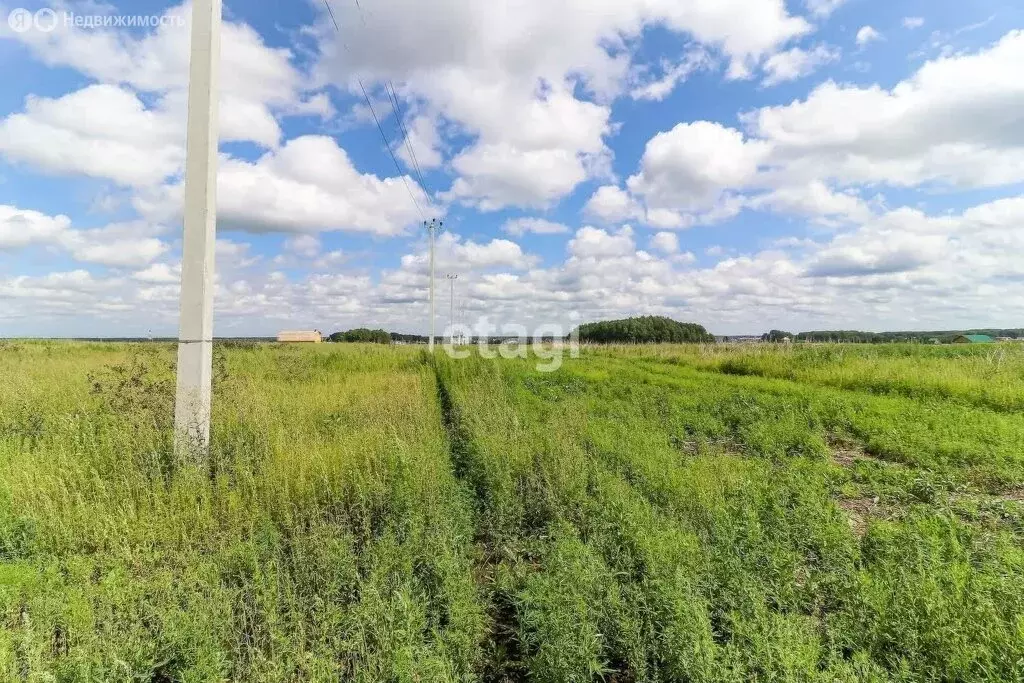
{"x":680,"y":513}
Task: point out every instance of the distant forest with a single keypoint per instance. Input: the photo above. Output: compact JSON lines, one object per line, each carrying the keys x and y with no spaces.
{"x":648,"y":329}
{"x":641,"y":330}
{"x":363,"y":336}
{"x":856,"y":336}
{"x":661,"y":330}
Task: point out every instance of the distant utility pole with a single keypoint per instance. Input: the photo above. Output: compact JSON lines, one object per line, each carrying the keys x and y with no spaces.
{"x":432,"y":227}
{"x":452,"y":277}
{"x":463,"y":338}
{"x":195,"y":336}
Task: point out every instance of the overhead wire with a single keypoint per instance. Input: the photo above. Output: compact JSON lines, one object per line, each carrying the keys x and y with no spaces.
{"x":396,"y":107}
{"x":400,"y":116}
{"x":380,"y":128}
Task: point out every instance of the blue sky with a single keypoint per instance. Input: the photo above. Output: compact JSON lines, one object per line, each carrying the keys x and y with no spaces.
{"x":745,"y":164}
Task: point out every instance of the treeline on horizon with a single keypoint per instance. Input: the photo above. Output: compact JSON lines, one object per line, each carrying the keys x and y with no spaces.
{"x":859,"y":337}
{"x":647,"y":329}
{"x":662,"y":330}
{"x":639,"y":330}
{"x":364,"y":335}
{"x":636,"y":330}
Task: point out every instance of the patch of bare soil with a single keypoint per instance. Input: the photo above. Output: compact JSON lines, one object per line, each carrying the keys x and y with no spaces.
{"x":859,"y":511}
{"x":1014,"y":495}
{"x":846,"y":453}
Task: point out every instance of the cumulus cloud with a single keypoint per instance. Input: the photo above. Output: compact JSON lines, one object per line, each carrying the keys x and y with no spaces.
{"x":913,"y":22}
{"x":20,"y":228}
{"x":423,"y":144}
{"x":117,"y":245}
{"x":509,"y":83}
{"x":885,"y":253}
{"x":867,"y":34}
{"x":159,"y":274}
{"x":498,"y":176}
{"x":257,"y":82}
{"x":103,"y":131}
{"x":591,"y":242}
{"x":452,"y":252}
{"x":665,"y":242}
{"x":672,"y":75}
{"x":797,"y":63}
{"x":899,"y":268}
{"x":519,"y":111}
{"x":955,"y":120}
{"x":307,"y":246}
{"x":308,"y":185}
{"x":815,"y":200}
{"x":517,"y":227}
{"x":691,"y":166}
{"x":823,"y":8}
{"x":612,"y":204}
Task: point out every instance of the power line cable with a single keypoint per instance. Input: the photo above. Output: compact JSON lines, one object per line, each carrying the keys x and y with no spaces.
{"x":391,"y":152}
{"x":396,"y":107}
{"x":333,"y":20}
{"x":400,"y":115}
{"x":387,"y":145}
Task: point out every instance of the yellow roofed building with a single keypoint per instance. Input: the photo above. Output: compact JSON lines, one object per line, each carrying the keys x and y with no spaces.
{"x":305,"y":336}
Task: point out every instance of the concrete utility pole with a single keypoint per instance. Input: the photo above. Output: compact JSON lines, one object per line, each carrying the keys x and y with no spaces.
{"x":432,"y":227}
{"x":452,"y":277}
{"x":195,"y":336}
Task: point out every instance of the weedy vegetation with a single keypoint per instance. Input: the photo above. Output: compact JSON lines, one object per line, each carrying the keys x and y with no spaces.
{"x":646,"y":513}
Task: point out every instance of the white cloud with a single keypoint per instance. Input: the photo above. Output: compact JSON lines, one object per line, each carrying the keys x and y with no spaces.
{"x":160,"y":274}
{"x":689,"y":167}
{"x":612,"y":204}
{"x":101,"y":131}
{"x":307,"y":246}
{"x":517,"y":227}
{"x":903,"y":268}
{"x":913,"y":22}
{"x":424,"y":142}
{"x":887,"y":252}
{"x":455,"y":254}
{"x":665,"y":242}
{"x":956,"y":120}
{"x":797,"y":63}
{"x":867,"y":34}
{"x":21,"y":228}
{"x":814,"y":200}
{"x":310,"y":185}
{"x":107,"y":247}
{"x":498,"y":176}
{"x":591,"y":242}
{"x":119,"y":245}
{"x":672,"y":75}
{"x":666,"y":218}
{"x":307,"y":185}
{"x":509,"y":81}
{"x":256,"y":81}
{"x":823,"y":8}
{"x":520,"y":109}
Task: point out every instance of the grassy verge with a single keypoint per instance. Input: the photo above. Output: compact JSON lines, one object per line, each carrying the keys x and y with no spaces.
{"x":327,"y":537}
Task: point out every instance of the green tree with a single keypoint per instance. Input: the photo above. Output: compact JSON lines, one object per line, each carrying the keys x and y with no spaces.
{"x":362,"y":335}
{"x":776,"y":336}
{"x":643,"y":330}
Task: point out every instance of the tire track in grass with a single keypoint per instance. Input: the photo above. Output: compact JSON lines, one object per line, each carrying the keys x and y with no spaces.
{"x":504,"y":657}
